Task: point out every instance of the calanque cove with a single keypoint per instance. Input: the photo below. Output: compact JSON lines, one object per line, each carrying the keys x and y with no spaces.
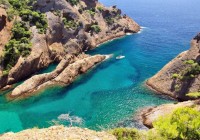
{"x":34,"y":34}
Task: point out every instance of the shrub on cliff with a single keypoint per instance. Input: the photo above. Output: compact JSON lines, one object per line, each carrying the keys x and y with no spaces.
{"x":11,"y":13}
{"x":191,"y":71}
{"x":20,"y":31}
{"x":73,"y":2}
{"x":71,"y":24}
{"x":19,"y":4}
{"x":25,"y":10}
{"x":96,"y":28}
{"x":126,"y":134}
{"x":110,"y":20}
{"x":35,"y":18}
{"x":19,"y":45}
{"x":100,"y":8}
{"x":91,"y":11}
{"x":194,"y":95}
{"x":182,"y":124}
{"x":5,"y":2}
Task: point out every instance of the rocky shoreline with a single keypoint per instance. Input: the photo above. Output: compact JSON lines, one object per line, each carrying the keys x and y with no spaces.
{"x":168,"y":80}
{"x":60,"y":41}
{"x":65,"y":45}
{"x":148,"y":115}
{"x":171,"y":81}
{"x":65,"y":73}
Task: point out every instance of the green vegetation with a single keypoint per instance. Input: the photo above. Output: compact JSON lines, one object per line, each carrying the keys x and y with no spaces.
{"x":126,"y":134}
{"x":35,"y":18}
{"x":71,"y":24}
{"x":91,"y":11}
{"x":175,"y":75}
{"x":11,"y":14}
{"x":18,"y":5}
{"x":57,"y":12}
{"x":189,"y":62}
{"x":182,"y":124}
{"x":95,"y":28}
{"x":19,"y":45}
{"x":27,"y":13}
{"x":194,"y":95}
{"x":100,"y":8}
{"x":73,"y":2}
{"x":110,"y":20}
{"x":5,"y":2}
{"x":191,"y":71}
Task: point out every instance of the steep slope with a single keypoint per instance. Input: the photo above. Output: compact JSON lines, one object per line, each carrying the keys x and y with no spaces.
{"x":5,"y":31}
{"x":64,"y":28}
{"x":180,"y":76}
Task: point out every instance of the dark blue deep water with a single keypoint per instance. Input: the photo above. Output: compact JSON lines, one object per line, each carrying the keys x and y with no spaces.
{"x":110,"y":94}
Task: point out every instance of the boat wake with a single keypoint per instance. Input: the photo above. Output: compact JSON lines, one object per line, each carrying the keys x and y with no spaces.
{"x":120,"y":57}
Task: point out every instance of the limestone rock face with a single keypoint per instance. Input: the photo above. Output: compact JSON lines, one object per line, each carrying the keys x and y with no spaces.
{"x":61,"y":40}
{"x":58,"y":133}
{"x":163,"y":82}
{"x":151,"y":114}
{"x":68,"y":69}
{"x":5,"y":32}
{"x":38,"y":59}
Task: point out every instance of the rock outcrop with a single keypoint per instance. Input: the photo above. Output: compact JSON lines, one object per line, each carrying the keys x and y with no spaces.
{"x":58,"y":133}
{"x":5,"y":32}
{"x":68,"y":69}
{"x":92,"y":24}
{"x":151,"y":114}
{"x":179,"y":77}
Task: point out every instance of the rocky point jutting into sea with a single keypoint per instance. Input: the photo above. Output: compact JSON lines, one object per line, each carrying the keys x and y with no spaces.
{"x":62,"y":42}
{"x":181,"y":75}
{"x":179,"y":79}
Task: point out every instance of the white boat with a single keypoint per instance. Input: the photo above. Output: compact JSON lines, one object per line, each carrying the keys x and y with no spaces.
{"x":120,"y":57}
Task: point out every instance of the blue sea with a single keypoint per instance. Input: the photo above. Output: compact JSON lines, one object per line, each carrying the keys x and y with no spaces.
{"x":110,"y":94}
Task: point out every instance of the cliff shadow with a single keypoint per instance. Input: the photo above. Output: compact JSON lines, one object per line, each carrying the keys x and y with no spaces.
{"x":2,"y":22}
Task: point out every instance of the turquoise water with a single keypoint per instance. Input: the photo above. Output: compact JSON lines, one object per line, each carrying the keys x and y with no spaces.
{"x":51,"y":68}
{"x":110,"y":94}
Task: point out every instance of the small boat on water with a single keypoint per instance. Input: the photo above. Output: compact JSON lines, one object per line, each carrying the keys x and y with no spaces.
{"x":120,"y":57}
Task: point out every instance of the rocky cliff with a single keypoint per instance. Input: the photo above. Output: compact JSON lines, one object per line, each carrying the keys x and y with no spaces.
{"x":68,"y":69}
{"x":181,"y":76}
{"x":149,"y":115}
{"x":58,"y":133}
{"x":73,"y":27}
{"x":5,"y":29}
